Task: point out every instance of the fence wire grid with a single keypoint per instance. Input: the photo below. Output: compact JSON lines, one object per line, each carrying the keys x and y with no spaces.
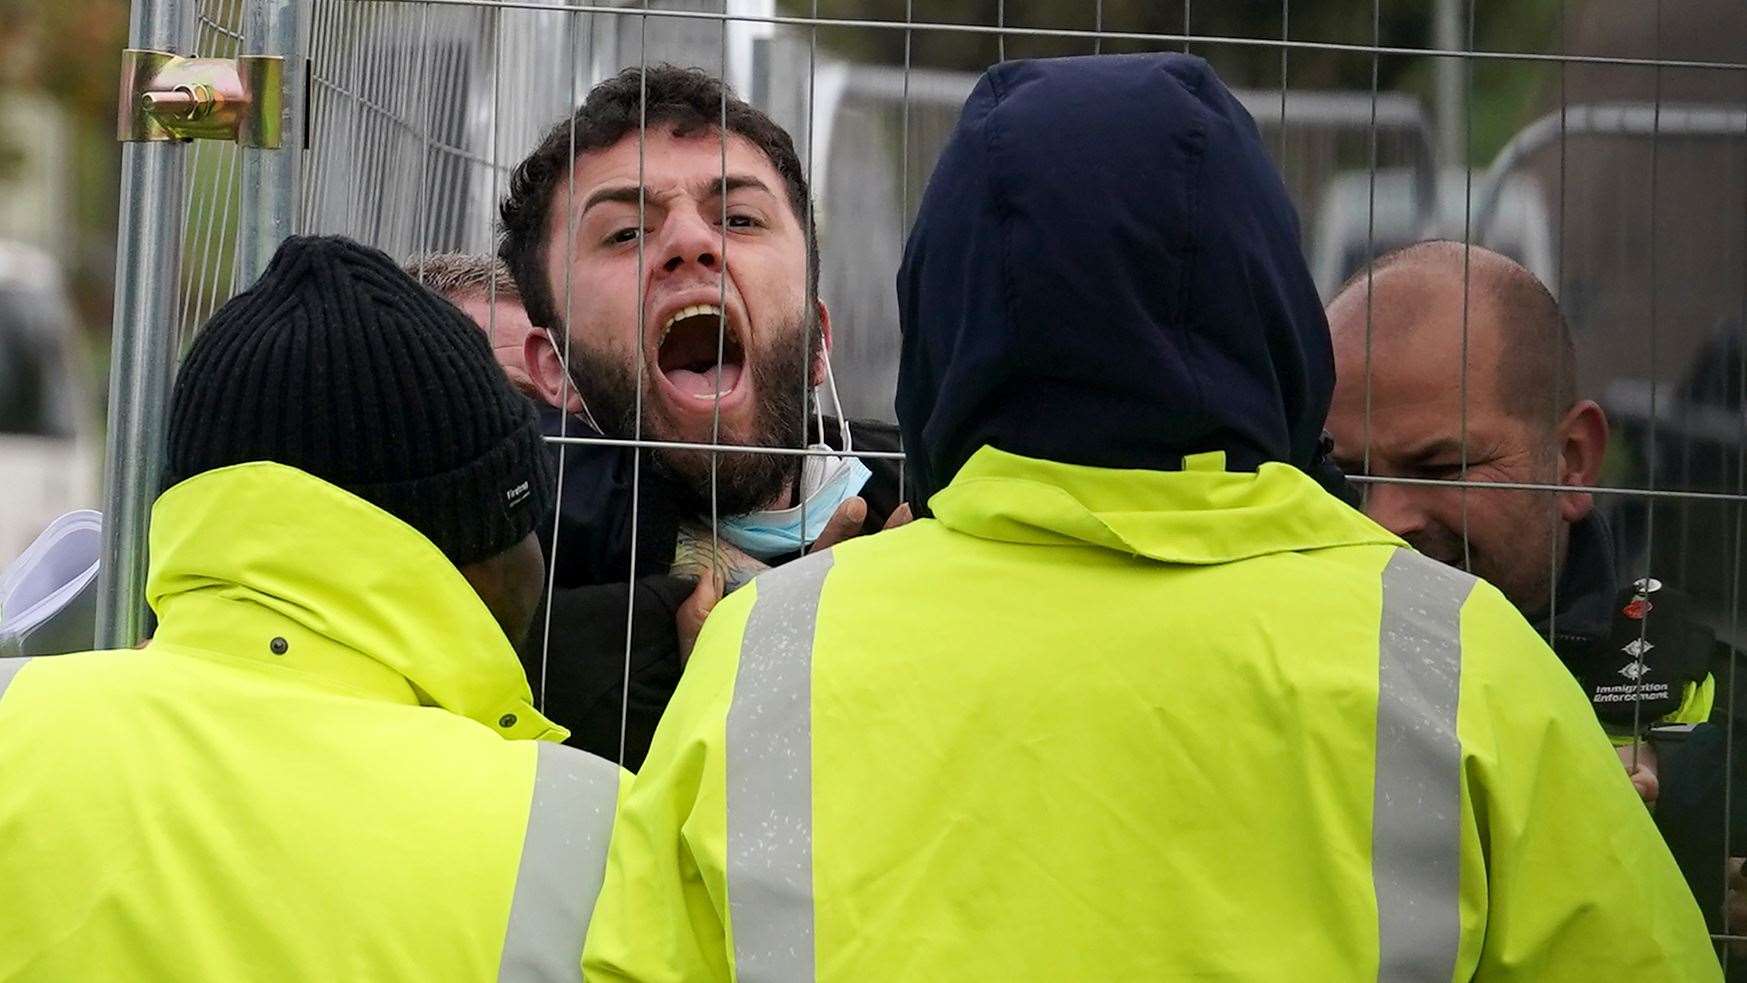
{"x":1616,"y":171}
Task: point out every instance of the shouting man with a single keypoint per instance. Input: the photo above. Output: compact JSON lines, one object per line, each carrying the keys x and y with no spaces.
{"x":663,"y":237}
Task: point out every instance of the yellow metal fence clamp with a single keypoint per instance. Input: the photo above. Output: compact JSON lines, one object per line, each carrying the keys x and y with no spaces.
{"x":168,"y":97}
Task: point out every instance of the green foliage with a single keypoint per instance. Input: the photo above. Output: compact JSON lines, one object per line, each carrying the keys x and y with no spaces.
{"x":70,"y":50}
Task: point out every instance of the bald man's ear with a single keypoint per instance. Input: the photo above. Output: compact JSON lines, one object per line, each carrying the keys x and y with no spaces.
{"x":1582,"y":437}
{"x":546,"y":371}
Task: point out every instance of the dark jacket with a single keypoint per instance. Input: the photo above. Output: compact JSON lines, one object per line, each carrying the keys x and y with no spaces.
{"x":1591,"y":624}
{"x":578,"y":658}
{"x":1598,"y":620}
{"x":593,"y":528}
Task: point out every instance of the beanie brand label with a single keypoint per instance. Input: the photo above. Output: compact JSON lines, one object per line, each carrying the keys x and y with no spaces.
{"x":517,"y":495}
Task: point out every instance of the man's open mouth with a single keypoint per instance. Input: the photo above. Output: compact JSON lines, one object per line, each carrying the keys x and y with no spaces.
{"x":687,"y":354}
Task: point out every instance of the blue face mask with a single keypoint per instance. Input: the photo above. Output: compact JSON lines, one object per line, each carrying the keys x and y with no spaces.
{"x":826,"y":483}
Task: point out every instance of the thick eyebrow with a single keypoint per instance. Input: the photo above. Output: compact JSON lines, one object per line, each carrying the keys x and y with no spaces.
{"x":728,"y":184}
{"x":628,"y":194}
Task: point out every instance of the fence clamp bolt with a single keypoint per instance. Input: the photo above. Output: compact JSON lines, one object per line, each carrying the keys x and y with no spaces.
{"x":168,"y":97}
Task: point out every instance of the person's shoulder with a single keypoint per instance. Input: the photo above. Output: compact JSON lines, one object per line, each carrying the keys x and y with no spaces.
{"x":1433,"y":605}
{"x":90,"y":672}
{"x":1511,"y":677}
{"x":566,"y":765}
{"x":805,"y":574}
{"x":1491,"y":625}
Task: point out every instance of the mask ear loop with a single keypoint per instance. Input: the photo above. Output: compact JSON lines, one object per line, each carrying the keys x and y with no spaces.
{"x":586,"y":415}
{"x":837,"y":402}
{"x":819,"y":416}
{"x":570,"y":383}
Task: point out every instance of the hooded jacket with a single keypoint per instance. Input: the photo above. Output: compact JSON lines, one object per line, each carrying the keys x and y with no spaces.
{"x":1141,"y":701}
{"x":325,"y":765}
{"x":1130,"y":243}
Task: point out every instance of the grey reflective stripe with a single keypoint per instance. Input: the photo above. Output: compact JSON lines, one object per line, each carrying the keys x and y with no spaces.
{"x":1416,"y":823}
{"x":8,"y":669}
{"x":564,"y":858}
{"x":770,"y":778}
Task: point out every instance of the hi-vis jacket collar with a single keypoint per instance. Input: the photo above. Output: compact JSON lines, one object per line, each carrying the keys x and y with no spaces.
{"x":247,"y":555}
{"x":1201,"y":514}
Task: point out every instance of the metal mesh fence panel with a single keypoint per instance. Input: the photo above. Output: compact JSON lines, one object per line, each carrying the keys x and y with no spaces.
{"x":1605,"y":150}
{"x":209,"y":236}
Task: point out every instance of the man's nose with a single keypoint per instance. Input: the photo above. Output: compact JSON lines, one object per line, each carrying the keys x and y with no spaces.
{"x":689,"y":239}
{"x":1396,"y":507}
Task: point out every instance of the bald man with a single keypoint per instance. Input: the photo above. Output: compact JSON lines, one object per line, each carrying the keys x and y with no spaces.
{"x":1523,"y":423}
{"x":1400,"y":411}
{"x":1404,"y":408}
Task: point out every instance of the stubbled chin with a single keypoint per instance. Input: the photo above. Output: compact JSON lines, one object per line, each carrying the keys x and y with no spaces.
{"x":696,"y":424}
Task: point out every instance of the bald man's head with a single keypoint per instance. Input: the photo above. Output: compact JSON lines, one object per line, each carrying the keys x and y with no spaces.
{"x":1515,"y":330}
{"x":1403,"y":408}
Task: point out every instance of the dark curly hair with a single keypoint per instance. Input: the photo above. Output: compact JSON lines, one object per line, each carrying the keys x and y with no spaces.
{"x":688,"y":100}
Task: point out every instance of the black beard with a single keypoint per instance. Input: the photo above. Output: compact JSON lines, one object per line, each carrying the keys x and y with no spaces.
{"x":744,"y":482}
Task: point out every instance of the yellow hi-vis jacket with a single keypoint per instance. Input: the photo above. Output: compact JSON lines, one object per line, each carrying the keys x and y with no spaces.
{"x":1092,"y":724}
{"x":305,"y":775}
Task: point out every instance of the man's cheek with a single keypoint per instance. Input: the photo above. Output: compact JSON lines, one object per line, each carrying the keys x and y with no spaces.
{"x":773,"y":292}
{"x":609,"y":328}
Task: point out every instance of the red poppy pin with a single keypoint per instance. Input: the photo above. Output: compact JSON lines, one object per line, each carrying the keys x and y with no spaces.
{"x":1639,"y":607}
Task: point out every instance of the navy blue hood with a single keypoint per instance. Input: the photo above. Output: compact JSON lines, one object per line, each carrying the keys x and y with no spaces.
{"x":1105,"y":271}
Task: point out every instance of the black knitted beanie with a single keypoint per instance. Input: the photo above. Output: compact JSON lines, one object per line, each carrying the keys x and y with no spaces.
{"x":337,"y":363}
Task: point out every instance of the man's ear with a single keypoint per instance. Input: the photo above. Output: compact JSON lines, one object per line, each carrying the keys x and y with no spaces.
{"x":1582,"y":437}
{"x":546,"y":370}
{"x":816,"y":376}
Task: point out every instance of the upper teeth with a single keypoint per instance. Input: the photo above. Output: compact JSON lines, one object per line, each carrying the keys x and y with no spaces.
{"x":685,"y":312}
